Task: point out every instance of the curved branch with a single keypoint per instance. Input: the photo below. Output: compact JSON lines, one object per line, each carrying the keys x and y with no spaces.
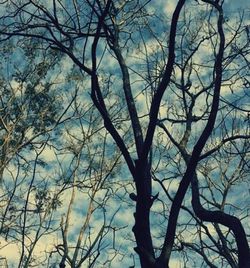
{"x":98,"y":100}
{"x":192,"y":164}
{"x":229,"y":221}
{"x":154,"y":109}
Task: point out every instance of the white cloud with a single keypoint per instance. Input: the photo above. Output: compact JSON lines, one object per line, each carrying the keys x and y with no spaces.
{"x":48,"y":154}
{"x":170,"y":7}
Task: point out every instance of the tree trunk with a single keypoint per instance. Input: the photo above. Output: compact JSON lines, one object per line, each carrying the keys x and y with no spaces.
{"x":141,"y":228}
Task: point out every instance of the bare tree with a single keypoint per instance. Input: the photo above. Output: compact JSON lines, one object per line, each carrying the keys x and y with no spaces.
{"x":174,"y":77}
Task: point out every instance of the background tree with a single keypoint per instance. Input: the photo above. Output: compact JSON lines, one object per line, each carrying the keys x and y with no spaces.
{"x":172,"y":95}
{"x":47,"y":154}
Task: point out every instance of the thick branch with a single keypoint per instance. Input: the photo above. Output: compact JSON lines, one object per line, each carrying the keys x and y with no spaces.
{"x":100,"y":105}
{"x":154,"y":110}
{"x":229,"y":221}
{"x":130,"y":101}
{"x":98,"y":100}
{"x":176,"y":205}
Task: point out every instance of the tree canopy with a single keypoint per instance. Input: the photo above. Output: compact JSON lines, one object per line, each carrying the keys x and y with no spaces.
{"x":124,"y":133}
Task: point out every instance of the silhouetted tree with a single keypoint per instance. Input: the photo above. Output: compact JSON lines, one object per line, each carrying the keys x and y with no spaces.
{"x":171,"y":92}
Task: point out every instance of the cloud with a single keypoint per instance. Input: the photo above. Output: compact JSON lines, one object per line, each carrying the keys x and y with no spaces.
{"x":170,"y":7}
